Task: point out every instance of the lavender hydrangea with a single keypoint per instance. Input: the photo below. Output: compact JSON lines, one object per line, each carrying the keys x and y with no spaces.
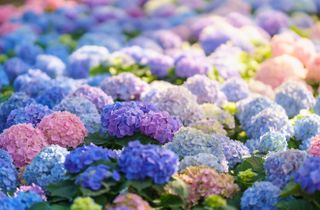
{"x":293,"y":97}
{"x":307,"y":127}
{"x":272,"y":21}
{"x":179,"y":102}
{"x":160,"y":126}
{"x":316,"y":107}
{"x":51,"y":65}
{"x":187,"y":66}
{"x":166,"y":39}
{"x":84,"y":58}
{"x":8,"y":176}
{"x":235,"y":90}
{"x":93,"y":177}
{"x":280,"y":166}
{"x":14,"y":67}
{"x":234,"y":151}
{"x":84,"y":156}
{"x":160,"y":65}
{"x":53,"y":95}
{"x":271,"y":141}
{"x":32,"y":113}
{"x":307,"y":175}
{"x":206,"y":90}
{"x":202,"y":159}
{"x":262,"y":195}
{"x":125,"y":86}
{"x":47,"y":167}
{"x":139,"y":162}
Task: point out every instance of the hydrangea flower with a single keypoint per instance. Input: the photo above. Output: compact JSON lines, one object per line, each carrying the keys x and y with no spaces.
{"x":76,"y":105}
{"x":202,"y":159}
{"x":32,"y":188}
{"x":32,"y":113}
{"x":262,"y":195}
{"x":93,"y":177}
{"x":8,"y":176}
{"x":166,"y":39}
{"x":206,"y":90}
{"x":203,"y":182}
{"x":187,"y":66}
{"x":179,"y":102}
{"x":272,"y":141}
{"x":209,"y":127}
{"x":317,"y":106}
{"x":34,"y":77}
{"x":234,"y":151}
{"x":81,"y":157}
{"x":95,"y":95}
{"x":27,"y":199}
{"x":130,"y":201}
{"x":11,"y":204}
{"x":16,"y":100}
{"x":293,"y":97}
{"x":63,"y":128}
{"x":160,"y":65}
{"x":125,"y":86}
{"x":14,"y":67}
{"x":272,"y":21}
{"x":281,"y":166}
{"x":47,"y":167}
{"x":160,"y":126}
{"x":307,"y":127}
{"x":213,"y":112}
{"x":314,"y":148}
{"x":4,"y":80}
{"x":51,"y":65}
{"x":235,"y":90}
{"x":5,"y":156}
{"x":85,"y":203}
{"x":28,"y":52}
{"x":84,"y":58}
{"x":139,"y":162}
{"x":307,"y":175}
{"x":52,"y":96}
{"x":23,"y":142}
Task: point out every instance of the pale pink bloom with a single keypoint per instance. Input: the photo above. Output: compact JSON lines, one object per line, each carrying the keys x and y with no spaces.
{"x":314,"y":69}
{"x":314,"y":148}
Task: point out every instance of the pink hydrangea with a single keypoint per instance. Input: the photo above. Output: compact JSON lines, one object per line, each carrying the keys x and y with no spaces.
{"x":131,"y":201}
{"x":290,"y":44}
{"x":23,"y":142}
{"x":314,"y":148}
{"x":278,"y":70}
{"x":6,"y":12}
{"x":314,"y":69}
{"x":63,"y":128}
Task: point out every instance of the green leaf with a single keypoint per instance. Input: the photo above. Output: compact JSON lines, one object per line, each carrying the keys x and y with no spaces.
{"x":178,"y":187}
{"x":295,"y":205}
{"x":40,"y":206}
{"x":64,"y":189}
{"x":59,"y":207}
{"x":291,"y":188}
{"x":169,"y":200}
{"x":139,"y":185}
{"x":90,"y":193}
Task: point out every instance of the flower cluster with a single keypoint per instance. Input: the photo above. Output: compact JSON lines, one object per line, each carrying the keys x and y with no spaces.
{"x":314,"y":148}
{"x":234,"y":151}
{"x":139,"y":162}
{"x":281,"y":166}
{"x":84,"y":203}
{"x":235,"y":90}
{"x":51,"y":65}
{"x":47,"y":167}
{"x":187,"y":66}
{"x":63,"y":128}
{"x":8,"y":176}
{"x":307,"y":127}
{"x":130,"y":201}
{"x":125,"y":86}
{"x":202,"y":159}
{"x":32,"y":188}
{"x":52,"y":95}
{"x":23,"y":142}
{"x":21,"y":201}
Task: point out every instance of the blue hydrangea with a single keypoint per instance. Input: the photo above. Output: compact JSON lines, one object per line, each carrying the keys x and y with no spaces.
{"x":190,"y":142}
{"x":83,"y":156}
{"x":47,"y":167}
{"x":92,"y":122}
{"x":280,"y":166}
{"x":5,"y":156}
{"x":14,"y":67}
{"x":4,"y":80}
{"x":293,"y":97}
{"x":271,"y":141}
{"x":272,"y":21}
{"x":27,"y":199}
{"x":17,"y":100}
{"x":235,"y":90}
{"x":122,"y":118}
{"x":59,"y":50}
{"x":8,"y":176}
{"x":316,"y":107}
{"x":270,"y":119}
{"x":53,"y":95}
{"x":93,"y":177}
{"x":51,"y":65}
{"x":160,"y":64}
{"x":262,"y":195}
{"x":108,"y":41}
{"x":9,"y":203}
{"x":307,"y":127}
{"x":139,"y":162}
{"x":28,"y":52}
{"x":32,"y":113}
{"x":96,"y":81}
{"x":202,"y":159}
{"x":29,"y":78}
{"x":234,"y":151}
{"x":308,"y":175}
{"x":84,"y":58}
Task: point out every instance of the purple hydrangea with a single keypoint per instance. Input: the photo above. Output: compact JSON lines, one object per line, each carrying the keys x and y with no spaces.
{"x":53,"y":95}
{"x":281,"y":166}
{"x":95,"y":95}
{"x":125,"y":86}
{"x":93,"y":177}
{"x":32,"y":113}
{"x":166,"y":39}
{"x":234,"y":151}
{"x":235,"y":90}
{"x":51,"y":65}
{"x":272,"y":21}
{"x":293,"y":97}
{"x":205,"y":89}
{"x":32,"y":188}
{"x":139,"y":162}
{"x":308,"y":175}
{"x":187,"y":66}
{"x":84,"y":156}
{"x":14,"y":67}
{"x":160,"y":126}
{"x":160,"y":65}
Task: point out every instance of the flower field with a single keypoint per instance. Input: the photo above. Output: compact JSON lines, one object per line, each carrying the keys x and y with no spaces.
{"x":164,"y":105}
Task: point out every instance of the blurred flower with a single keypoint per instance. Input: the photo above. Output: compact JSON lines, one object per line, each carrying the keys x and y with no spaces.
{"x":85,"y":203}
{"x":8,"y":176}
{"x":187,"y":66}
{"x":271,"y":141}
{"x":32,"y":188}
{"x":51,"y":65}
{"x":235,"y":90}
{"x":272,"y":21}
{"x":314,"y":148}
